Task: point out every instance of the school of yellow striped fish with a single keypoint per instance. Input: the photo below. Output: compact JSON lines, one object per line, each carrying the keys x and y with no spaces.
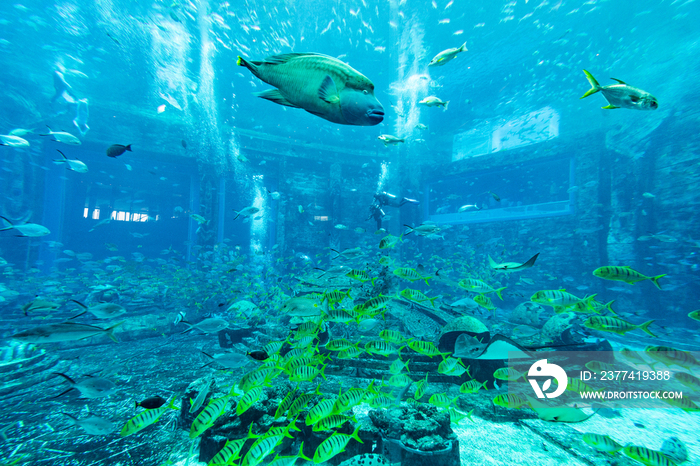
{"x":302,"y":356}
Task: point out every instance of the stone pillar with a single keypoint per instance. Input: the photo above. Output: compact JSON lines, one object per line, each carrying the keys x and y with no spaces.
{"x":335,"y":184}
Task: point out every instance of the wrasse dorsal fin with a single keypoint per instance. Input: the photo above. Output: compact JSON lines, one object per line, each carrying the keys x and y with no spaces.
{"x":285,"y":57}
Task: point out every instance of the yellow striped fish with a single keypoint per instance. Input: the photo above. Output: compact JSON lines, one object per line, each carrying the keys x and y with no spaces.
{"x":426,"y":348}
{"x":382,"y":401}
{"x":260,"y":376}
{"x":339,"y":344}
{"x":389,"y":241}
{"x":398,"y":366}
{"x":584,"y":307}
{"x":392,"y":336}
{"x":273,"y":347}
{"x":472,"y":386}
{"x":452,"y":367}
{"x":209,"y":415}
{"x":278,"y":430}
{"x":331,"y":422}
{"x":557,"y":298}
{"x":477,"y":286}
{"x":145,"y":419}
{"x":688,"y":380}
{"x":602,"y":443}
{"x":229,"y":453}
{"x":579,"y":386}
{"x":322,"y":409}
{"x":441,"y":400}
{"x":647,"y":456}
{"x":457,"y":416}
{"x":624,"y":274}
{"x":421,"y":387}
{"x":296,"y":362}
{"x":335,"y":296}
{"x":380,"y":347}
{"x":360,"y":275}
{"x":410,"y":275}
{"x":616,"y":325}
{"x":306,"y":328}
{"x":416,"y":296}
{"x":350,"y":353}
{"x":248,"y":400}
{"x":375,"y":303}
{"x":510,"y":400}
{"x":307,"y":373}
{"x":509,"y":374}
{"x":351,"y":398}
{"x":301,"y":402}
{"x":683,"y":403}
{"x":599,"y":366}
{"x":289,"y":460}
{"x":632,"y":356}
{"x":485,"y":302}
{"x":334,"y":445}
{"x":260,"y":449}
{"x":671,"y":356}
{"x":341,"y":316}
{"x":399,"y":380}
{"x":285,"y":404}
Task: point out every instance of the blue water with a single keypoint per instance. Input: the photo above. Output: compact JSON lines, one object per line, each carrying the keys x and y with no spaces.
{"x":516,"y":165}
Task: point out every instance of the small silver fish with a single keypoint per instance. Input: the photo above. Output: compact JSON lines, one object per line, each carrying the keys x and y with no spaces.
{"x":92,"y":387}
{"x":447,"y":56}
{"x":92,"y":425}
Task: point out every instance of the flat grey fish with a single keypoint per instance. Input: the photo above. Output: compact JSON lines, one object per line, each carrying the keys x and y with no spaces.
{"x":92,"y":425}
{"x":201,"y":396}
{"x":211,"y":325}
{"x":91,"y":387}
{"x":349,"y":254}
{"x":33,"y":230}
{"x":301,"y":307}
{"x":102,"y":310}
{"x":229,"y":360}
{"x":41,"y":305}
{"x":66,"y":331}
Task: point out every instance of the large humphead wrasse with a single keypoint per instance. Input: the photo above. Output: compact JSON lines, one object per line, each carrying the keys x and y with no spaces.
{"x":319,"y":84}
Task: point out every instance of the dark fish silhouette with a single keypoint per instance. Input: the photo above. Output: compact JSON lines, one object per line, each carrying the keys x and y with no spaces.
{"x":115,"y":150}
{"x":151,"y":403}
{"x":258,"y":355}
